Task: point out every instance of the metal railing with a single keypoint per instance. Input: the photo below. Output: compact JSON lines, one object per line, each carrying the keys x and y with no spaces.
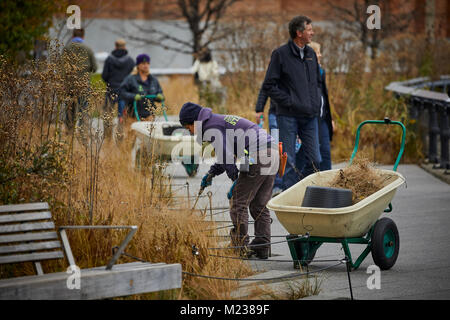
{"x":429,"y":104}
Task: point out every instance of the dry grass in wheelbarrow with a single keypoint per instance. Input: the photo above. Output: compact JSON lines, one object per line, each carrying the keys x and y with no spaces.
{"x":361,"y":177}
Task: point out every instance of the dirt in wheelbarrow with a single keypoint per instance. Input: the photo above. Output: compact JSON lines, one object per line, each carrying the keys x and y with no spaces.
{"x":361,"y":177}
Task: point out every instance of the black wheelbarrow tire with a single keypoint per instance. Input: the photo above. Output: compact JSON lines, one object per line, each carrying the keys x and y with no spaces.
{"x":385,"y":243}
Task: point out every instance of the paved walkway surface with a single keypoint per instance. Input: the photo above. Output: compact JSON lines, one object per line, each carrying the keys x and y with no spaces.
{"x":421,"y":212}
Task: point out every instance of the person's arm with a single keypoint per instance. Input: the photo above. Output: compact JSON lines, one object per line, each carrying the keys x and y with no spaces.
{"x":105,"y":72}
{"x":272,"y":79}
{"x":92,"y":60}
{"x":125,"y":90}
{"x":130,"y":65}
{"x":260,"y":104}
{"x":230,"y":168}
{"x":158,"y":86}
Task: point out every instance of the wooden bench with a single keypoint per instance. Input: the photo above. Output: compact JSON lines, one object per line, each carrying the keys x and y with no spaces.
{"x":27,"y":233}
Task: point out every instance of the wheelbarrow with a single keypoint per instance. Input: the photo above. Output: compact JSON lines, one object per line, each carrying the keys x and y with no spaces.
{"x":167,"y":141}
{"x":310,"y":227}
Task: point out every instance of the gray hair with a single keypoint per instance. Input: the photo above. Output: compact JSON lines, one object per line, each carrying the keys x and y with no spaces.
{"x":298,"y":23}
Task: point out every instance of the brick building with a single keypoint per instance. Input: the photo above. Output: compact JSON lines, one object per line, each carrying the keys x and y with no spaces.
{"x":429,"y":16}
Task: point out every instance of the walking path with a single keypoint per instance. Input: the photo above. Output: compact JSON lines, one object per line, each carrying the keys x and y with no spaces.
{"x":422,"y":214}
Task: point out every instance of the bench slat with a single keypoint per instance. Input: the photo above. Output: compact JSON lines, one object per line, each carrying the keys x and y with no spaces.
{"x":31,"y":257}
{"x":31,"y":247}
{"x":95,"y":283}
{"x":26,"y":227}
{"x":20,"y":217}
{"x":29,"y":237}
{"x":24,"y":207}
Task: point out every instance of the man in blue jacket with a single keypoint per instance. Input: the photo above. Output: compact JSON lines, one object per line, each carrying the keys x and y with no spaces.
{"x":233,"y":138}
{"x":292,"y":82}
{"x":117,"y":66}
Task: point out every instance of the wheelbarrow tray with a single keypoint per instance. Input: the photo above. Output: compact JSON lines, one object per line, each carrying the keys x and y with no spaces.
{"x":345,"y":222}
{"x":166,"y":139}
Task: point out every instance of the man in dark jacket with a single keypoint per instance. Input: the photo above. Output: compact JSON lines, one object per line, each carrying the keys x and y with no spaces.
{"x":233,"y":138}
{"x":136,"y":86}
{"x":117,"y":66}
{"x":80,"y":64}
{"x":292,"y":82}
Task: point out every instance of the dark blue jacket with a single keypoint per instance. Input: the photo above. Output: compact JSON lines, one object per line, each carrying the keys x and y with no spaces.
{"x":133,"y":85}
{"x":293,"y":82}
{"x":117,"y":66}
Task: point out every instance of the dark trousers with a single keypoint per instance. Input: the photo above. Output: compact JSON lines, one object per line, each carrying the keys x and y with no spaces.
{"x":324,"y":146}
{"x":253,"y":191}
{"x":308,"y":131}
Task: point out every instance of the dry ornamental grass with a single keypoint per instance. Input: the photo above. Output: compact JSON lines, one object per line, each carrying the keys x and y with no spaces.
{"x":360,"y":177}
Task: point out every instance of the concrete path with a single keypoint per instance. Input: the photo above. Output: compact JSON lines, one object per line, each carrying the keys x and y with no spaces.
{"x":421,"y":211}
{"x":422,"y":214}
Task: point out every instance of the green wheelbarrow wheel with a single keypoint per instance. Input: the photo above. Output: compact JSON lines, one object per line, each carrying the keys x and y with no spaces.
{"x":385,"y":243}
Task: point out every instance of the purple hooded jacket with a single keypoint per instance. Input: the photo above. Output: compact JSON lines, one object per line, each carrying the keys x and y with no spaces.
{"x":230,"y":135}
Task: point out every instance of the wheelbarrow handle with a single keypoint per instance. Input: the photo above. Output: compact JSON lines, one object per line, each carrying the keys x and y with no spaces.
{"x":386,"y":121}
{"x":150,"y":96}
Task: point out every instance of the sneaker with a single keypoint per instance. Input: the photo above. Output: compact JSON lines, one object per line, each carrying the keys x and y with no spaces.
{"x":276,"y":191}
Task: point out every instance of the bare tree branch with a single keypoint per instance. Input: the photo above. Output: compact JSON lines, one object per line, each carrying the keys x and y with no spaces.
{"x":202,"y":17}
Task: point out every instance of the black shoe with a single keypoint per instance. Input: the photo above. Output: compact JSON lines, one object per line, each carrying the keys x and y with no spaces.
{"x":262,"y":253}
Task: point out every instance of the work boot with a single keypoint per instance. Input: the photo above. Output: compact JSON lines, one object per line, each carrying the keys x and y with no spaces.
{"x":239,"y":238}
{"x":261,"y":252}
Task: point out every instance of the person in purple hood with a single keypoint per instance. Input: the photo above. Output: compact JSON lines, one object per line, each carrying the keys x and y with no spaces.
{"x":234,"y":138}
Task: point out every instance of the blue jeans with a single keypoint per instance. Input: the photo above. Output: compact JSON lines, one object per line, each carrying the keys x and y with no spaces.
{"x":273,"y":125}
{"x":308,"y":131}
{"x":324,"y":147}
{"x":121,"y":104}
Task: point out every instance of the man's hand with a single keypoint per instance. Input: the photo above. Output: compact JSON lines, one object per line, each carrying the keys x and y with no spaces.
{"x":137,"y":97}
{"x":159,"y":97}
{"x":206,"y":181}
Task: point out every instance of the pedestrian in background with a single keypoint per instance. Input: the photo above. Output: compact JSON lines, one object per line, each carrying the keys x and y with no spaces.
{"x":292,"y":81}
{"x":117,"y":67}
{"x":206,"y":76}
{"x":80,"y":64}
{"x":326,"y":124}
{"x":138,"y":85}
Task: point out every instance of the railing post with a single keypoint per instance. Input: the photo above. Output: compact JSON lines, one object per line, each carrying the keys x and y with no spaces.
{"x":423,"y":127}
{"x":414,"y":111}
{"x":433,"y":131}
{"x":445,"y":135}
